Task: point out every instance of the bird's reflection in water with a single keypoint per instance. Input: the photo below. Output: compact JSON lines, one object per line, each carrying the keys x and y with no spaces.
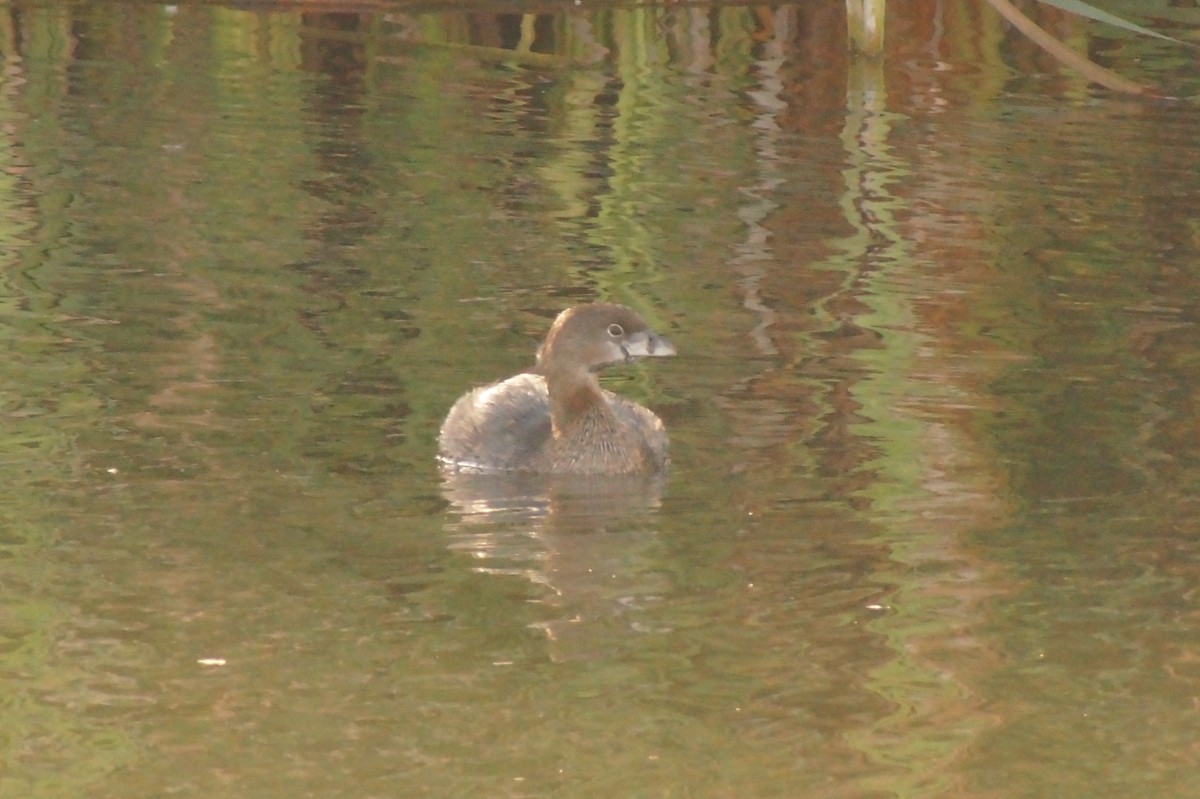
{"x":591,"y":541}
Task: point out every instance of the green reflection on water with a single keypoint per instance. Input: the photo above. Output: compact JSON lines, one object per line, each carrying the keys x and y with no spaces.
{"x":53,"y":677}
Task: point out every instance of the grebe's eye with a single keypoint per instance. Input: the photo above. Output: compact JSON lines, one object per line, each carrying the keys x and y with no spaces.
{"x":616,"y":330}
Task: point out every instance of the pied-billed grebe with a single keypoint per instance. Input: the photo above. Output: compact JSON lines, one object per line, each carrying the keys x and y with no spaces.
{"x":556,"y":419}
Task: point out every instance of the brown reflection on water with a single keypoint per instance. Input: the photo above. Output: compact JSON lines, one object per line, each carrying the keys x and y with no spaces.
{"x":884,"y":394}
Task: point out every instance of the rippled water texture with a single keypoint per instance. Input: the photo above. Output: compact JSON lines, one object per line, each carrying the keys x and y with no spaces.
{"x":931,"y":528}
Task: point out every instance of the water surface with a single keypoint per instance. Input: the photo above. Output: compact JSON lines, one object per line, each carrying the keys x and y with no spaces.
{"x":930,"y":528}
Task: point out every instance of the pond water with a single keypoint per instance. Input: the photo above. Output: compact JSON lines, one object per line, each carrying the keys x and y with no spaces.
{"x":932,"y":526}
